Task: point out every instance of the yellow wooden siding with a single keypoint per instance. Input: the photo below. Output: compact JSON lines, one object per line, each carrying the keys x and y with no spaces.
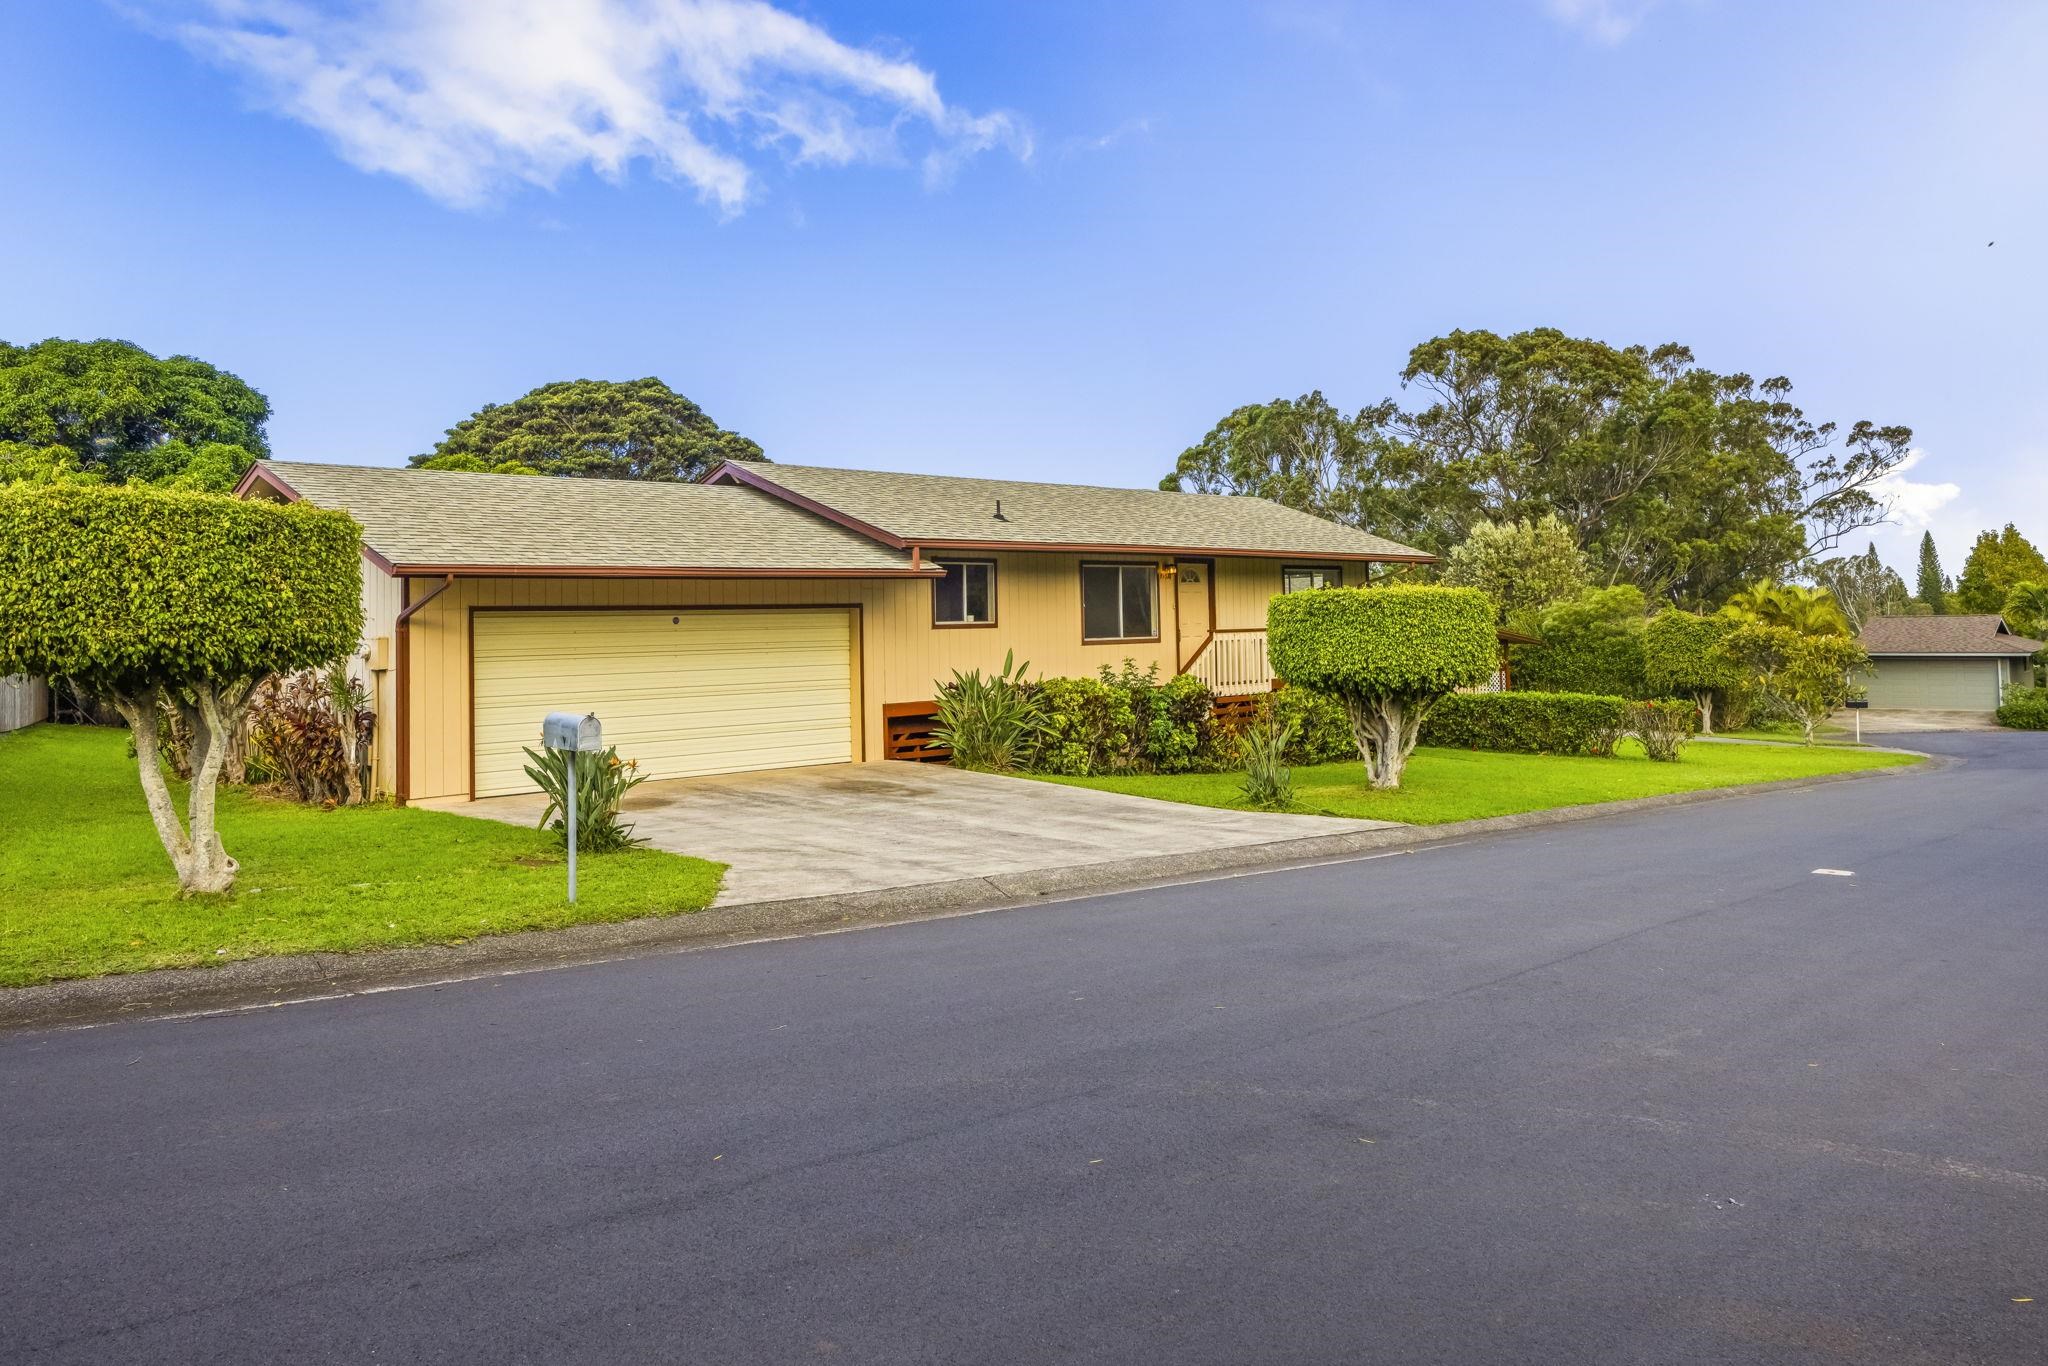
{"x":903,"y":657}
{"x":684,"y":694}
{"x":1243,"y":588}
{"x":380,"y":622}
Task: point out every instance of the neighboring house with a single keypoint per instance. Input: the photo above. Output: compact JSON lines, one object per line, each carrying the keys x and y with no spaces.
{"x":1955,"y":663}
{"x":779,"y":615}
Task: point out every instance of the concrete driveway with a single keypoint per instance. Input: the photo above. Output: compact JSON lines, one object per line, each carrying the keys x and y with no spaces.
{"x":800,"y":832}
{"x":1912,"y":721}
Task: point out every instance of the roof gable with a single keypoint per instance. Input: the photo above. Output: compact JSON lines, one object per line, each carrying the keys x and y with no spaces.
{"x":1952,"y":635}
{"x":937,"y":511}
{"x":446,"y":521}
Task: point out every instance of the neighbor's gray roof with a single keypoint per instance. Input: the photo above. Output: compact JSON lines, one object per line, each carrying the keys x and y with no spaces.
{"x":436,"y":520}
{"x":1966,"y":635}
{"x":936,"y":509}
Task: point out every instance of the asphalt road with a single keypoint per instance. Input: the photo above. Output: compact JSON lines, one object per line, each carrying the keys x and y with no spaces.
{"x":1636,"y":1090}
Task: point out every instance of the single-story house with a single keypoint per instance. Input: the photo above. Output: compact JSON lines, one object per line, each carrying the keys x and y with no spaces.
{"x":779,"y":615}
{"x":1955,"y":663}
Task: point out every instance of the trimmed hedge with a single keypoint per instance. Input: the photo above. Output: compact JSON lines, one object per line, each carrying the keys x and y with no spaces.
{"x":1406,"y":641}
{"x":124,"y":587}
{"x":1591,"y":644}
{"x":1528,"y":722}
{"x":2024,"y":709}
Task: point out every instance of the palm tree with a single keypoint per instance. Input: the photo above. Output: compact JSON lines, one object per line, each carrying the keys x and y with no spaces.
{"x":1808,"y":611}
{"x":2026,"y":609}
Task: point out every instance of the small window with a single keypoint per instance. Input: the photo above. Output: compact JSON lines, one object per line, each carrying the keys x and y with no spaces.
{"x":1119,"y":601}
{"x":967,"y":595}
{"x":1299,"y":578}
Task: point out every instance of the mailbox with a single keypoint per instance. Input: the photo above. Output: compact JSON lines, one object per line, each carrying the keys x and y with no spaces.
{"x":567,"y":730}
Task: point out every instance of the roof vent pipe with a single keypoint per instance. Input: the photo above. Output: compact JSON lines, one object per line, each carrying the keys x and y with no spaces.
{"x":999,"y":511}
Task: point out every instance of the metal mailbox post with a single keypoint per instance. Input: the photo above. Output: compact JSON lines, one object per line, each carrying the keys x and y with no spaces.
{"x":565,"y":730}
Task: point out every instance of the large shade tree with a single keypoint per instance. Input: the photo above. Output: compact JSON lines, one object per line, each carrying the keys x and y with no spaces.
{"x":109,"y":411}
{"x":1999,"y":562}
{"x":1863,"y":585}
{"x":170,"y":601}
{"x":593,"y":429}
{"x":1677,"y":479}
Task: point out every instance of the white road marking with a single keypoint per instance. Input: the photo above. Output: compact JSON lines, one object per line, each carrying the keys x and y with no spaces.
{"x":1833,"y":872}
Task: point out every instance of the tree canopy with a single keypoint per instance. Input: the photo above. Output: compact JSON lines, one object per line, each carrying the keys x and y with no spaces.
{"x":109,"y":411}
{"x":1863,"y":585}
{"x":1523,"y":566}
{"x":1999,"y":562}
{"x":162,"y":599}
{"x":1387,"y":653}
{"x":1930,"y":586}
{"x":592,"y":429}
{"x":1677,"y":479}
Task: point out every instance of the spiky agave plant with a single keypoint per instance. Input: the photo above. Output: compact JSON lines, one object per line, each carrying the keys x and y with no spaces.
{"x":989,"y":723}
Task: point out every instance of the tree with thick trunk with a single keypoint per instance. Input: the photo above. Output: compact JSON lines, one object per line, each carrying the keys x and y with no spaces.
{"x":1388,"y":654}
{"x":177,"y":603}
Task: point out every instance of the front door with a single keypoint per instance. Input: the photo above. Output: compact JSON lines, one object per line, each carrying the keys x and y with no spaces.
{"x":1194,"y":606}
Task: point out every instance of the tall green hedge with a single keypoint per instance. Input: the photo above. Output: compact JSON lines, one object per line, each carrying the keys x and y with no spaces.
{"x":1528,"y":722}
{"x":1589,"y":644}
{"x":1402,"y":641}
{"x":124,"y":587}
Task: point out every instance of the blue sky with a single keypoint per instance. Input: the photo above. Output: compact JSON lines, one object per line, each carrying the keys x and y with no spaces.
{"x":1054,"y":241}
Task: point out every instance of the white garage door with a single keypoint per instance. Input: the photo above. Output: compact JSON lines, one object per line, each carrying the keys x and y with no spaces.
{"x":684,"y":693}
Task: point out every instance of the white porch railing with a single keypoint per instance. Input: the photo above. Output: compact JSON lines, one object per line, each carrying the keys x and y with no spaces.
{"x":1233,"y":663}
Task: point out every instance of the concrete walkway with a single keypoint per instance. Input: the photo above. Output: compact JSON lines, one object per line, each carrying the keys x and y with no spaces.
{"x":863,"y":827}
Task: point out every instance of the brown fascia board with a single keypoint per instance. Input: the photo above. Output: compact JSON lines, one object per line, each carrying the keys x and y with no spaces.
{"x":734,"y":472}
{"x":1105,"y":548}
{"x":551,"y":571}
{"x":256,"y":474}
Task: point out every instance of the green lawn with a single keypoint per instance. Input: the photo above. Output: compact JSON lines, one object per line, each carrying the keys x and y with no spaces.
{"x":86,"y":889}
{"x":1456,"y":785}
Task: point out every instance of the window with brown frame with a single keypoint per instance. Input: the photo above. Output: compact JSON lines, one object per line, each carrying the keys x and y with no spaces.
{"x":1120,"y":602}
{"x":1300,"y":578}
{"x":967,"y":595}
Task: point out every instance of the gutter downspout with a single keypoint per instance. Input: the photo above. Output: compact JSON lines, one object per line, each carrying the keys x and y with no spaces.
{"x":403,"y":630}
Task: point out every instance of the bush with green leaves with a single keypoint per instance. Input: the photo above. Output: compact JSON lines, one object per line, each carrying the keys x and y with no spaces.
{"x":1682,"y":657}
{"x":1528,"y":722}
{"x":1320,"y":727}
{"x":993,"y":723}
{"x":1126,"y":722}
{"x":1089,"y":727}
{"x":1268,"y":783}
{"x":2024,"y":709}
{"x":1592,"y":643}
{"x":1811,"y":675}
{"x":161,"y":600}
{"x":1389,"y":653}
{"x":1664,"y":725}
{"x":602,"y":781}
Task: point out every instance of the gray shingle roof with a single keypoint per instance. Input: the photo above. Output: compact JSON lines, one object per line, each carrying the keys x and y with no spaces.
{"x":444,"y":519}
{"x":935,"y":509}
{"x":1961,"y":635}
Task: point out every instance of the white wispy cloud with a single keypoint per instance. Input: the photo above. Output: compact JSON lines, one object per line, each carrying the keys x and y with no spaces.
{"x":1914,"y":503}
{"x":465,"y":98}
{"x":1127,"y":131}
{"x":1605,"y":21}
